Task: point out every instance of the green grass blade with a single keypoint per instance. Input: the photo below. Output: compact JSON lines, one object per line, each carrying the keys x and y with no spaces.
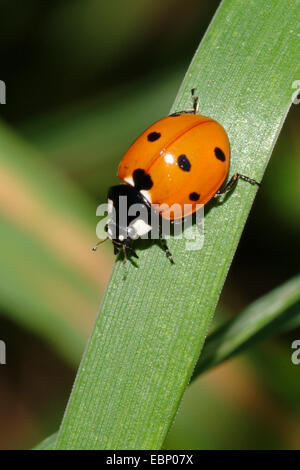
{"x":152,"y":325}
{"x":48,"y":443}
{"x":276,"y":311}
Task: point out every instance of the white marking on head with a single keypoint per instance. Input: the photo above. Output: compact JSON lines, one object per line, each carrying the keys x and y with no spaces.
{"x":141,"y":227}
{"x":147,"y":195}
{"x":121,"y":237}
{"x":110,"y":206}
{"x":169,"y":158}
{"x":129,"y":180}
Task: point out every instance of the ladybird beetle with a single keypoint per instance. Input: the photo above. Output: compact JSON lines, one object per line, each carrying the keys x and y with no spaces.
{"x":183,"y":160}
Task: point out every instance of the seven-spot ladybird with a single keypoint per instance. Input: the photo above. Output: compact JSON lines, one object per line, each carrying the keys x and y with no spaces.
{"x":181,"y":160}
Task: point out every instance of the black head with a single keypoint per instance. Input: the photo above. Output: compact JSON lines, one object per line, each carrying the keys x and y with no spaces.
{"x":130,"y":217}
{"x":130,"y":214}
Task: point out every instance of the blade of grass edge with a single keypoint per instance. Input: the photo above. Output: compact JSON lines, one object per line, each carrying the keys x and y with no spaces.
{"x":152,"y":325}
{"x":48,"y":443}
{"x":274,"y":312}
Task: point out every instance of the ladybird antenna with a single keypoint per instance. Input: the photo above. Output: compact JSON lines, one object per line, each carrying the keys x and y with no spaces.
{"x":99,"y":243}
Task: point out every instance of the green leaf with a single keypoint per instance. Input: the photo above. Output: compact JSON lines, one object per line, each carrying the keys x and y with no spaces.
{"x":153,"y":321}
{"x":277,"y":311}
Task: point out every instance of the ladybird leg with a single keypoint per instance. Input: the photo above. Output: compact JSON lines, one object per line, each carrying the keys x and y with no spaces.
{"x":233,"y":181}
{"x":249,"y":180}
{"x":195,"y":100}
{"x":132,"y":251}
{"x":118,"y":247}
{"x":178,"y":113}
{"x":167,"y":251}
{"x":165,"y":246}
{"x":124,"y":253}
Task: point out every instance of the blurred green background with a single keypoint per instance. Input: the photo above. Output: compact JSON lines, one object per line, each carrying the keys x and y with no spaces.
{"x":83,"y":80}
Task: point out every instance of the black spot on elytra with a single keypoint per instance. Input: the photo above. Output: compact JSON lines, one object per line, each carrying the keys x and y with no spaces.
{"x":184,"y":163}
{"x":219,"y":154}
{"x":194,"y":196}
{"x":141,"y":179}
{"x":153,"y":136}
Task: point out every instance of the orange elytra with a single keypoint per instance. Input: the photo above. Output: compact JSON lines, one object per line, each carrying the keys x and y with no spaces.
{"x":186,"y":159}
